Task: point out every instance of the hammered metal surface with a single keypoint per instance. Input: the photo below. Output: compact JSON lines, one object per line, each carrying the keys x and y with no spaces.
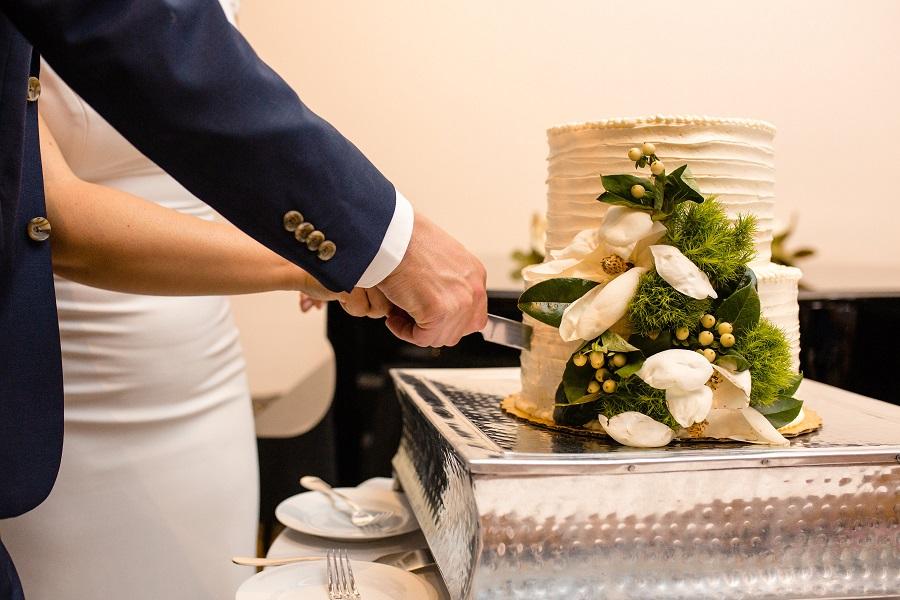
{"x":721,"y":523}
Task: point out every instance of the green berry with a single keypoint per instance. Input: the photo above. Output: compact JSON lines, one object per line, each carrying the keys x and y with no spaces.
{"x":708,"y":321}
{"x":635,"y":154}
{"x":727,"y":340}
{"x":706,"y":338}
{"x":619,"y":360}
{"x":609,"y":386}
{"x":647,"y":149}
{"x":710,"y":354}
{"x":597,"y":359}
{"x":725,"y":327}
{"x":601,"y":375}
{"x":638,"y":191}
{"x":593,"y":387}
{"x":658,"y":168}
{"x":682,"y":333}
{"x":579,"y":360}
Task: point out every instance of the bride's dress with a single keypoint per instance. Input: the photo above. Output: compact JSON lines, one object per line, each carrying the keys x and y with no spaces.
{"x":158,"y":486}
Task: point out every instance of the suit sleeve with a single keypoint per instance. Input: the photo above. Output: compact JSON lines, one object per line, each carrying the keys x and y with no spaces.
{"x":179,"y":82}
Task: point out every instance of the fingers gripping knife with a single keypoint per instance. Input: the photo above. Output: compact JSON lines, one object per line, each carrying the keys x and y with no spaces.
{"x":507,"y":332}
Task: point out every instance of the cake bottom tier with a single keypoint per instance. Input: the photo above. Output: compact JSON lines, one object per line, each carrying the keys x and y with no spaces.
{"x":543,"y":365}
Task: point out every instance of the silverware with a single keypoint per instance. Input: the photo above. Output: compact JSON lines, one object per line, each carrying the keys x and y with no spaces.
{"x":341,"y":583}
{"x":252,"y":561}
{"x":358,"y":516}
{"x":507,"y":332}
{"x":408,"y":560}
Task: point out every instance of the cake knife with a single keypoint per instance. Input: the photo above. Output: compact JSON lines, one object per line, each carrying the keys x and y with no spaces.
{"x":507,"y":332}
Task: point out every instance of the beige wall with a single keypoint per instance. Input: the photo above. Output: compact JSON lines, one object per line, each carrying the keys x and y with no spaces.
{"x":452,"y":99}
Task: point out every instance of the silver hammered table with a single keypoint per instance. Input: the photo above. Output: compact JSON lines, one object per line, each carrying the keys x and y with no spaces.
{"x":511,"y":510}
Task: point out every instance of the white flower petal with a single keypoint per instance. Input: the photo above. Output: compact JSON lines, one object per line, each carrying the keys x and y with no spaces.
{"x":637,"y":430}
{"x":763,"y":428}
{"x":682,"y":274}
{"x":689,"y":406}
{"x":581,"y":245}
{"x":743,"y":425}
{"x":676,"y":368}
{"x":596,"y":311}
{"x":623,"y":228}
{"x":734,"y":390}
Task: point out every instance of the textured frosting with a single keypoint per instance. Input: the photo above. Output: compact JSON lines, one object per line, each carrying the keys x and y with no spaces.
{"x":732,"y":158}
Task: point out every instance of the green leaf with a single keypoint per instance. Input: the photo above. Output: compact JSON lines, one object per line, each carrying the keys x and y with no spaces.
{"x":748,"y":278}
{"x":574,"y":415}
{"x":649,"y":346}
{"x":741,"y":309}
{"x":681,"y":186}
{"x":547,"y":300}
{"x":782,"y":411}
{"x":615,"y":342}
{"x":790,"y":390}
{"x":635,"y":362}
{"x":733,"y":361}
{"x":620,"y":186}
{"x":583,"y":400}
{"x":575,"y":380}
{"x":618,"y":200}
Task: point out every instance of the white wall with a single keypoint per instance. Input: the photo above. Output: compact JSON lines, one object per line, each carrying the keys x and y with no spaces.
{"x":452,"y":99}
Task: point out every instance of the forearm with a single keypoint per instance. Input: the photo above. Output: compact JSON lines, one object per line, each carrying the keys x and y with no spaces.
{"x":106,"y":238}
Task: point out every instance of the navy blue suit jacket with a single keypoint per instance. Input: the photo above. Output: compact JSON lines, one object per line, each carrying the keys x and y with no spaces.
{"x":177,"y":80}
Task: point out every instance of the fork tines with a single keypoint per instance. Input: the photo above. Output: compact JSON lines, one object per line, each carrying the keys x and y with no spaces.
{"x":341,"y":583}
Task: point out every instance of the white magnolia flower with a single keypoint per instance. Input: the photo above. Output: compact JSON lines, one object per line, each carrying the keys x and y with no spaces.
{"x":600,"y":308}
{"x":682,"y":274}
{"x":683,"y":374}
{"x":637,"y":430}
{"x":744,"y":425}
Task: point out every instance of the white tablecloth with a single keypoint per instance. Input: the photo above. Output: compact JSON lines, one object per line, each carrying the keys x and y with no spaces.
{"x":294,"y":543}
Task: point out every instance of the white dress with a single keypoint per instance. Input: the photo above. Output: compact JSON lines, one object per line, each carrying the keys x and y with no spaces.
{"x":159,"y":482}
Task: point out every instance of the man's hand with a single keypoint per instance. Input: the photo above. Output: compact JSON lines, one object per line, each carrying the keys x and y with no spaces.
{"x":359,"y":302}
{"x":437,"y":291}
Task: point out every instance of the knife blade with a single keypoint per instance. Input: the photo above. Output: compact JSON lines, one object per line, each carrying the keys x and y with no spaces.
{"x":507,"y":332}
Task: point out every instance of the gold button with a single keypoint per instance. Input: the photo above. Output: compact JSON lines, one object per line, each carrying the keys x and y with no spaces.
{"x":303,"y":230}
{"x":327,"y":250}
{"x":314,"y":240}
{"x":39,"y":229}
{"x":34,"y":89}
{"x":292,"y":219}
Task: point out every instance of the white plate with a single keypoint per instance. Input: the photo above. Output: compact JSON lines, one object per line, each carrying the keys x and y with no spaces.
{"x":313,"y":513}
{"x":307,"y":581}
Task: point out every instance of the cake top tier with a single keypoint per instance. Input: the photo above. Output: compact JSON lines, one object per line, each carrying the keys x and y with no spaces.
{"x":628,"y":122}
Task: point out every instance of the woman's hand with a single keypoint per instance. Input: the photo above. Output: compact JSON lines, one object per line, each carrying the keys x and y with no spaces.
{"x":361,"y":302}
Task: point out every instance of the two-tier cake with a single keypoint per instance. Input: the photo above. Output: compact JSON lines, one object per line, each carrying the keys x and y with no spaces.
{"x":658,"y":313}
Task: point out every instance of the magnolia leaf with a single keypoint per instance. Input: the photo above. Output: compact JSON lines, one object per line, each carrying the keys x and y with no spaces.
{"x":791,"y":389}
{"x":574,"y":415}
{"x":620,"y":187}
{"x":635,"y":362}
{"x":546,"y":301}
{"x":681,"y":186}
{"x":781,"y":412}
{"x":615,"y":342}
{"x":650,"y":346}
{"x":583,"y":400}
{"x":620,"y":201}
{"x":748,"y":278}
{"x":733,"y":361}
{"x":741,"y":309}
{"x":575,"y":380}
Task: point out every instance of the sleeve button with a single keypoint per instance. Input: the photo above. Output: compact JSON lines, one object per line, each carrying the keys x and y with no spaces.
{"x":327,"y":250}
{"x":34,"y":89}
{"x":39,"y":229}
{"x":292,"y":220}
{"x":314,"y":240}
{"x":303,"y":230}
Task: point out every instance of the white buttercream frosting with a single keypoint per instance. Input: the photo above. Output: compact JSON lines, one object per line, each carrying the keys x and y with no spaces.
{"x":731,"y":158}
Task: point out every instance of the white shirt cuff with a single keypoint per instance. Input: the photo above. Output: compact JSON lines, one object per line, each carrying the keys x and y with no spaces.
{"x":393,"y":246}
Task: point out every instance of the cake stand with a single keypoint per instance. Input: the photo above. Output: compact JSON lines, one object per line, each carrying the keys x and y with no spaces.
{"x":512,"y":510}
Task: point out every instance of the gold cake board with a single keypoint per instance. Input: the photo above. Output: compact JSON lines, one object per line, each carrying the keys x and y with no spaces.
{"x":811,"y":422}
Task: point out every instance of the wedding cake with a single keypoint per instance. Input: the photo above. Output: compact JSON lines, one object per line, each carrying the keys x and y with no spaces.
{"x":657,"y":313}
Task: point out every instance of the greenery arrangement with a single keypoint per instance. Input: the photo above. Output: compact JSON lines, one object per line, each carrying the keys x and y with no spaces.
{"x":602,"y":375}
